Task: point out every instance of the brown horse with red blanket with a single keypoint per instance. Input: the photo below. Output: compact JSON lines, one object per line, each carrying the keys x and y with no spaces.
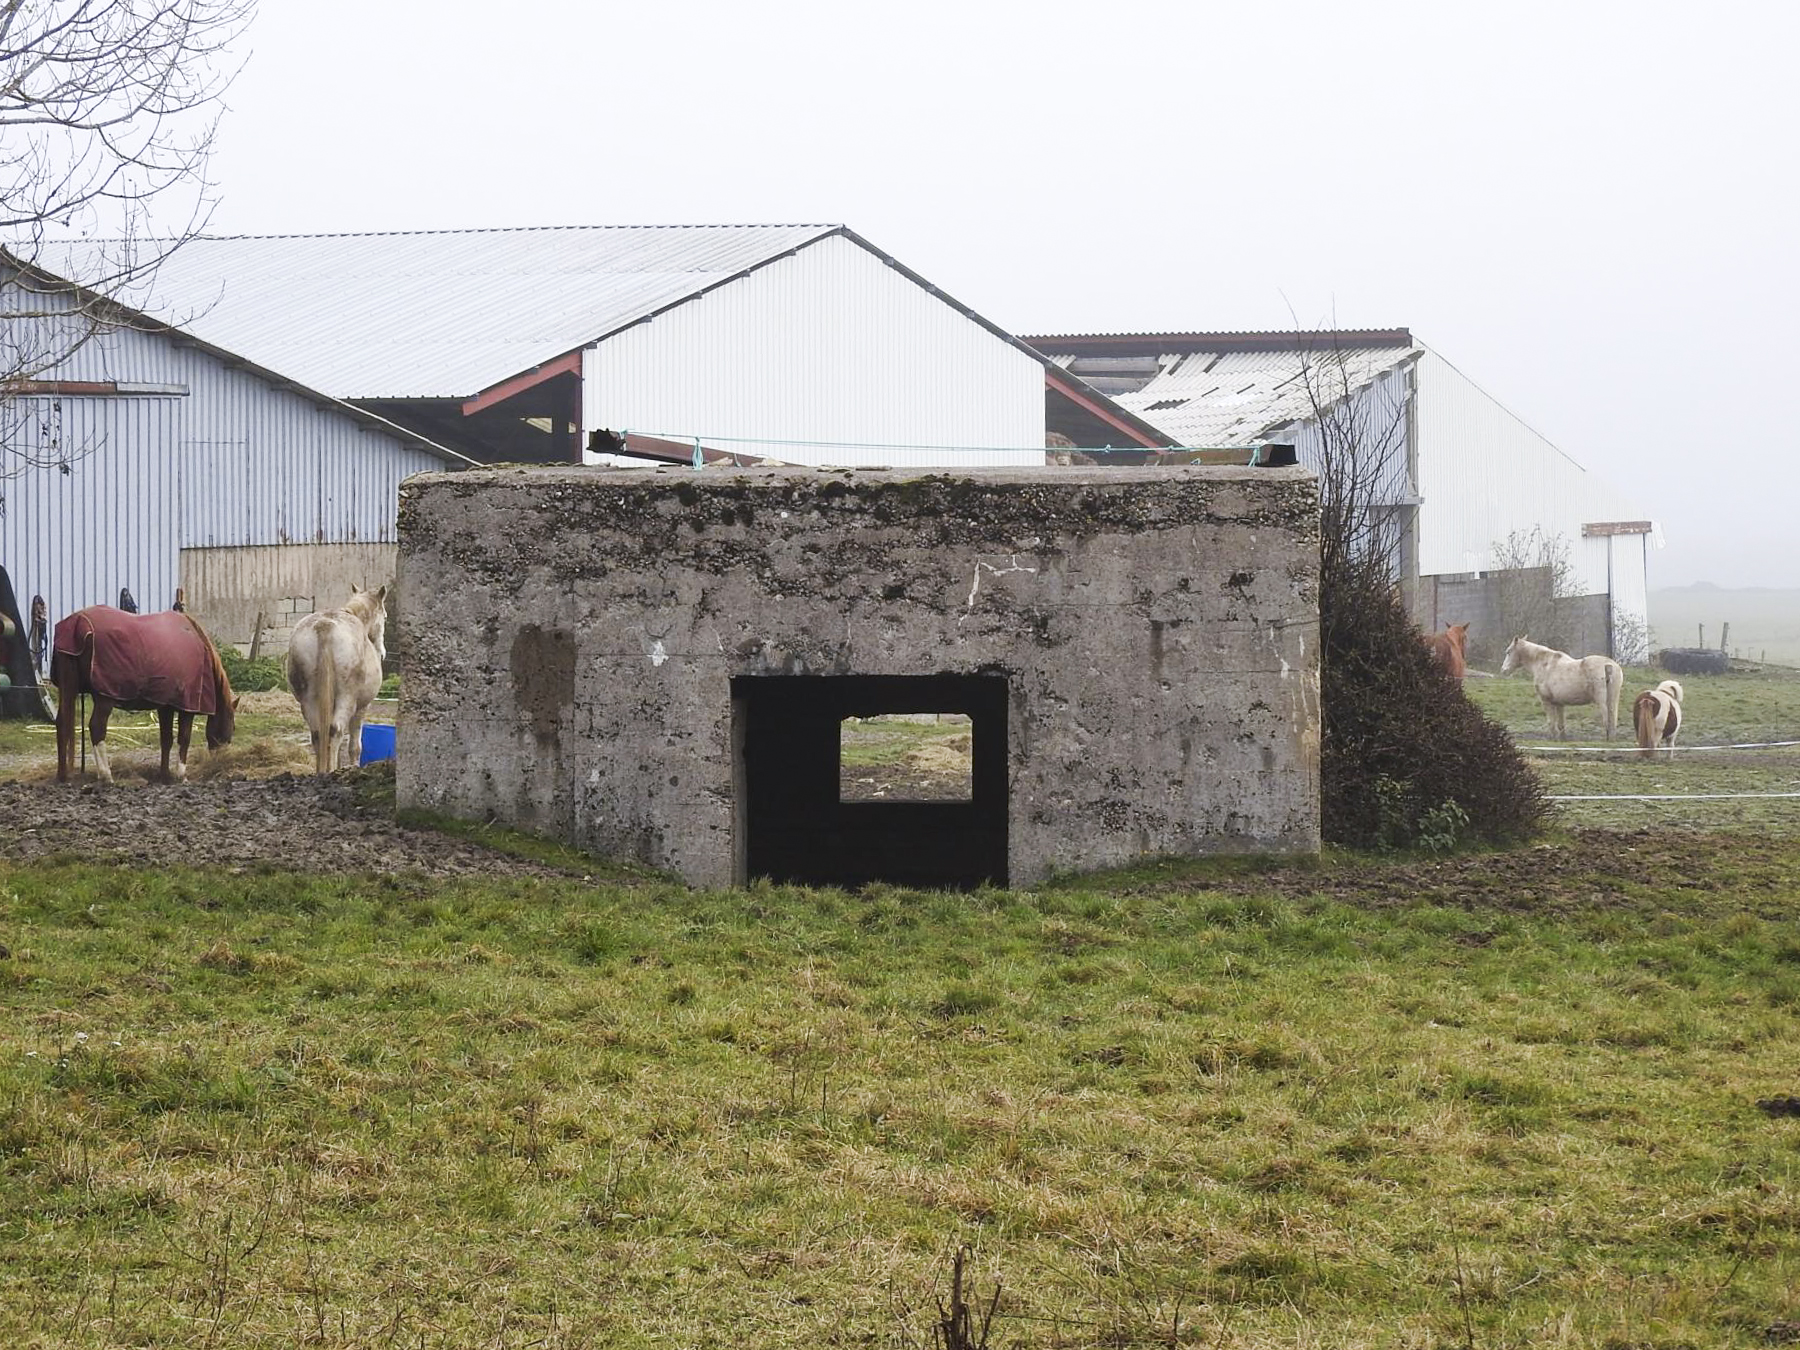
{"x":138,"y":661}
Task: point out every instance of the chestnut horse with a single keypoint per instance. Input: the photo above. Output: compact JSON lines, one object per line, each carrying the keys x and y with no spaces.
{"x":1450,"y":649}
{"x":162,"y":661}
{"x":1657,"y":716}
{"x":1562,"y":681}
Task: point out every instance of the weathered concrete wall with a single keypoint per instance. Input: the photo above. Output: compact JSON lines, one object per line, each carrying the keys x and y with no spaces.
{"x":229,"y":587}
{"x":569,"y":638}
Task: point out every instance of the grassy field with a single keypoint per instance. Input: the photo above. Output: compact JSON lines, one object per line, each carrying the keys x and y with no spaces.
{"x":265,"y":1110}
{"x":1744,"y":706}
{"x":1504,"y":1100}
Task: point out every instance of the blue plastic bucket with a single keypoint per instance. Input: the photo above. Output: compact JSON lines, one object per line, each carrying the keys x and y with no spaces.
{"x":377,"y":742}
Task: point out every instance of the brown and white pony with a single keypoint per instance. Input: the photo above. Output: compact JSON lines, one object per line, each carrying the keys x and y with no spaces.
{"x":1562,"y":682}
{"x":334,"y":670}
{"x":163,"y":662}
{"x":1450,"y":649}
{"x":1656,"y":714}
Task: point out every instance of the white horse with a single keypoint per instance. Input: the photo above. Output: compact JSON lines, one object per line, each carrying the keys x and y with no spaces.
{"x":1563,"y":682}
{"x":1656,"y":713}
{"x":334,"y":670}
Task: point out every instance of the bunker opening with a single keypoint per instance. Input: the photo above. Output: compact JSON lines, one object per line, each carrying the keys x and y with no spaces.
{"x":906,"y":757}
{"x":805,"y":811}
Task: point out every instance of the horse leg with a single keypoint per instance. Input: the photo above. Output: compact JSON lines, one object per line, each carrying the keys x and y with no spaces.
{"x":65,"y":725}
{"x":350,"y":748}
{"x":165,"y":724}
{"x":97,"y":734}
{"x":352,"y":743}
{"x":186,"y":724}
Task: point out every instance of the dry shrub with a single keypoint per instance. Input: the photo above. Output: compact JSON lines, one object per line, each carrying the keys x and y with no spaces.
{"x":1407,"y":760}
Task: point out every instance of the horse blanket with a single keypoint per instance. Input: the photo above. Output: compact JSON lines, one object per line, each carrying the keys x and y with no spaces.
{"x":143,"y":660}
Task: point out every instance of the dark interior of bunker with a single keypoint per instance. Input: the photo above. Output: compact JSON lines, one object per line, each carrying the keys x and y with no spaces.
{"x":793,"y":825}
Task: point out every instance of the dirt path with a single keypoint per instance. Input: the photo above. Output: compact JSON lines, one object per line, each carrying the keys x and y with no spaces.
{"x":292,"y":822}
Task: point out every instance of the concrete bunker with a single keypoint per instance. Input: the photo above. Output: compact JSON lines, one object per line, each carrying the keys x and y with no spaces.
{"x":656,"y":664}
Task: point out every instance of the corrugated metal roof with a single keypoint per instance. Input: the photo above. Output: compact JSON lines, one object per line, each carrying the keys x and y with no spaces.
{"x":1221,"y":398}
{"x":141,"y":321}
{"x":444,"y":313}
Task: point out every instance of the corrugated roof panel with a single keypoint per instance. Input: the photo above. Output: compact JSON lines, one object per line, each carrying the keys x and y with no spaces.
{"x":441,"y":314}
{"x":1233,"y":398}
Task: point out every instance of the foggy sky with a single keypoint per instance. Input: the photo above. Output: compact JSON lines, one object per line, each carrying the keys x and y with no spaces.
{"x":1591,"y":209}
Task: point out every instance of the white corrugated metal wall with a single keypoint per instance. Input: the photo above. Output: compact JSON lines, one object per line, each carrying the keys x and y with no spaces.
{"x":827,"y":345}
{"x":1376,"y":418}
{"x":1485,"y":474}
{"x":231,"y":461}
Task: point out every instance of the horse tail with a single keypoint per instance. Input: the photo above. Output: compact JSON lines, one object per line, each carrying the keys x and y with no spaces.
{"x":324,"y":694}
{"x":221,"y":723}
{"x":1643,"y":714}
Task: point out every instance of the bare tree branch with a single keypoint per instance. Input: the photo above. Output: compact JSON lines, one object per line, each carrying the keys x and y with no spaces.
{"x":1357,"y":443}
{"x":108,"y":114}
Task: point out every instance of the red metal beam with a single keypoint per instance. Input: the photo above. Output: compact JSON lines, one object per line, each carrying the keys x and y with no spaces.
{"x":569,"y":364}
{"x":682,"y":452}
{"x":1054,"y":378}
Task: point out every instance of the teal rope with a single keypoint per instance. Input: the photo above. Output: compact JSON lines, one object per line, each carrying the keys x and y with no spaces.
{"x":967,"y":449}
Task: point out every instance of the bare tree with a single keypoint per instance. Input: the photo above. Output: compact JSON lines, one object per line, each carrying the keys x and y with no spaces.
{"x":108,"y":112}
{"x":1534,"y":573}
{"x":1355,"y":438}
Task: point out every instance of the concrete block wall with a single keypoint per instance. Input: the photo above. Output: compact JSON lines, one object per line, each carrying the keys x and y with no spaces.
{"x":228,"y":587}
{"x":570,"y":639}
{"x":1580,"y":620}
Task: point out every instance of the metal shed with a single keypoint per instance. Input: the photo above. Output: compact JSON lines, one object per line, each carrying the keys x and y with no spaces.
{"x":150,"y":460}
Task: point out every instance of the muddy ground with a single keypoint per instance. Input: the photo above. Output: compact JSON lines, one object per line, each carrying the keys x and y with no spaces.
{"x":247,"y":808}
{"x":344,"y":823}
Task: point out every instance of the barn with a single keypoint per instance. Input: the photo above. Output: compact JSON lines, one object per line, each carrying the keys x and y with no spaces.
{"x":799,"y":343}
{"x":149,"y":461}
{"x":1484,"y":491}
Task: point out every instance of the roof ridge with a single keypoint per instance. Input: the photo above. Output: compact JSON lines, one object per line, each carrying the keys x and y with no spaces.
{"x":1213,"y":334}
{"x":470,"y":229}
{"x":521,"y":229}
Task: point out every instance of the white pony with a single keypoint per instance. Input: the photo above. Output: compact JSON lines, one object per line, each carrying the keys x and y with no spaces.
{"x":1562,"y":681}
{"x":1656,"y":713}
{"x":334,"y":670}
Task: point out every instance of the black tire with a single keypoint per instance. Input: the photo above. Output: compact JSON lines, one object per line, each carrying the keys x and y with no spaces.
{"x":1694,"y":660}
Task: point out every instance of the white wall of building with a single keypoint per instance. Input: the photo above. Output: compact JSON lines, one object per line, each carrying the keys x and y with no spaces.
{"x":829,"y":345}
{"x":1485,"y":474}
